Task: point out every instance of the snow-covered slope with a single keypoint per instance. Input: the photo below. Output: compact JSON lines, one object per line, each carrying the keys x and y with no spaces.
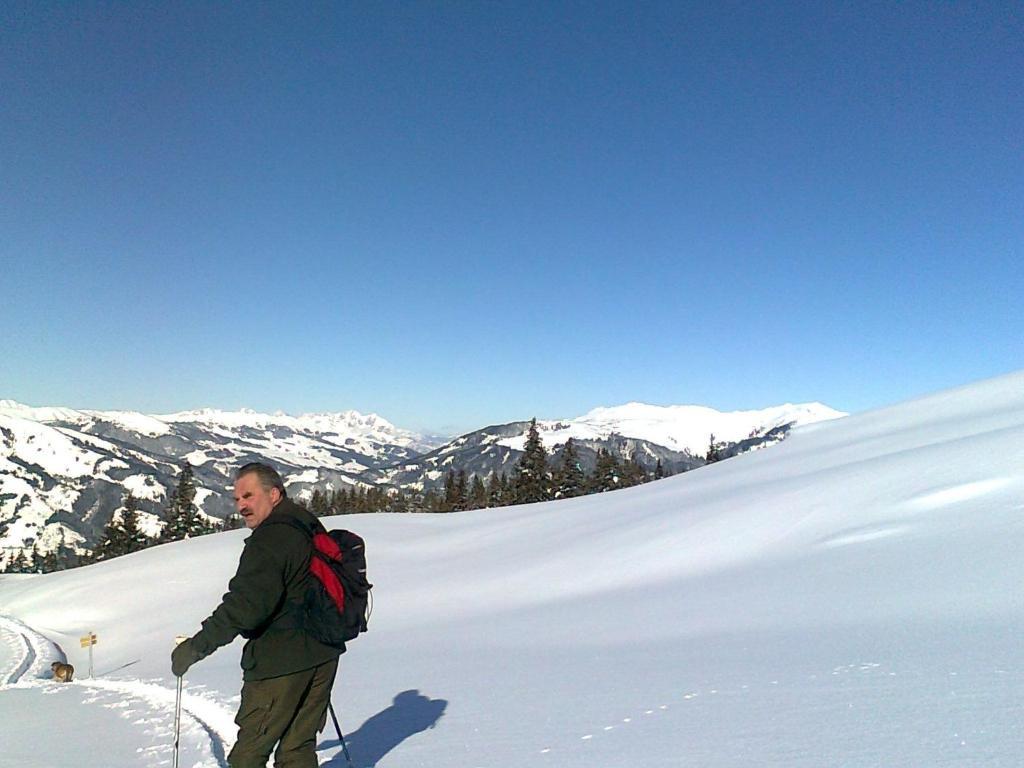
{"x":679,"y":427}
{"x":684,"y":427}
{"x":849,"y":598}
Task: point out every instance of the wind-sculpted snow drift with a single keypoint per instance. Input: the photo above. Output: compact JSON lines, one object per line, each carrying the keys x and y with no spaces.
{"x":849,"y":597}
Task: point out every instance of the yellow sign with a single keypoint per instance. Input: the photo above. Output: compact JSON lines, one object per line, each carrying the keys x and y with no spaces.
{"x":87,"y":640}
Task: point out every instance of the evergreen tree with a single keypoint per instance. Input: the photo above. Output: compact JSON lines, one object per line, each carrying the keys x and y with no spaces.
{"x":134,"y":537}
{"x":461,"y":492}
{"x":477,"y":494}
{"x":507,"y":490}
{"x":172,"y":530}
{"x":493,"y":490}
{"x":186,"y":486}
{"x":182,"y":517}
{"x":451,"y":494}
{"x":19,"y":564}
{"x":633,"y":472}
{"x":377,"y":499}
{"x":714,"y":451}
{"x":399,"y":502}
{"x":35,"y":559}
{"x":433,"y":501}
{"x":51,"y":562}
{"x":570,"y":479}
{"x":318,"y":503}
{"x":607,"y":472}
{"x":532,"y":480}
{"x":659,"y":470}
{"x":341,"y":504}
{"x":112,"y":541}
{"x":66,"y":557}
{"x":205,"y":524}
{"x":122,"y":534}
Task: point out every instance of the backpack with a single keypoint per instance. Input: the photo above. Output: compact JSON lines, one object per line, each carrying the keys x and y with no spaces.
{"x":337,"y":604}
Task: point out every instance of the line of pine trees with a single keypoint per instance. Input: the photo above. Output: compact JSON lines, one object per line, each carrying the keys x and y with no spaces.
{"x":36,"y":562}
{"x":351,"y":501}
{"x":534,"y":478}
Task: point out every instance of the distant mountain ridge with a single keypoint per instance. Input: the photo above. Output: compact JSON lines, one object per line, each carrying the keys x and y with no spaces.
{"x":63,"y":471}
{"x":678,"y":436}
{"x":683,"y":428}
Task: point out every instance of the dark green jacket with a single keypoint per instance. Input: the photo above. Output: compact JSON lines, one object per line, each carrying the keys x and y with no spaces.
{"x":263,"y":602}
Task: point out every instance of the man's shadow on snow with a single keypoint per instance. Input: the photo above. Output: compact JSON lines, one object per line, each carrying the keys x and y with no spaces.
{"x":410,"y":712}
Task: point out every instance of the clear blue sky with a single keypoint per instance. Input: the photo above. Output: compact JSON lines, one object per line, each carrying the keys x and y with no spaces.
{"x":457,"y":214}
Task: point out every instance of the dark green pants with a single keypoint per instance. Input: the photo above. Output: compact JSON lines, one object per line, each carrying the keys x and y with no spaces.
{"x":288,"y":711}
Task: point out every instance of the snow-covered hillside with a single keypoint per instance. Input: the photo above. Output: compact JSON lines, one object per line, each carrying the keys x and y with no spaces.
{"x":679,"y":427}
{"x":850,"y":597}
{"x":64,"y":472}
{"x":350,"y":428}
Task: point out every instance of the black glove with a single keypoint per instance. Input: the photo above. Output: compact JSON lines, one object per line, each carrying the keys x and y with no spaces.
{"x":183,"y":657}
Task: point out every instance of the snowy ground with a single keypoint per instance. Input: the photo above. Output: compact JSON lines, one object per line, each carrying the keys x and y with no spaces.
{"x":851,"y":597}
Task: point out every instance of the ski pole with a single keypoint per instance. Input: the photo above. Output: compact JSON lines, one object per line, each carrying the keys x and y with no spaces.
{"x":178,"y":640}
{"x":341,"y":738}
{"x":177,"y":721}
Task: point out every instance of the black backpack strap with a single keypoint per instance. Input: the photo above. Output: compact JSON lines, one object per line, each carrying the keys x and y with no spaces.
{"x":295,"y":523}
{"x":290,"y":615}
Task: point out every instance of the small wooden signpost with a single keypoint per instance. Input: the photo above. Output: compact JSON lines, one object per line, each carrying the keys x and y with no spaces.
{"x":88,"y":641}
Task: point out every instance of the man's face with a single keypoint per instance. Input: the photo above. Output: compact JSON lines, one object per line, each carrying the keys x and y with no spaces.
{"x":253,"y":501}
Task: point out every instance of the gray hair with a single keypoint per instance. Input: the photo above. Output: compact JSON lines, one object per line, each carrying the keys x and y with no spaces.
{"x":267,"y":475}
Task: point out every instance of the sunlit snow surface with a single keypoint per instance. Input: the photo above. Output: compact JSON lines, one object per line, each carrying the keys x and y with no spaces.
{"x":679,"y":427}
{"x":849,"y":597}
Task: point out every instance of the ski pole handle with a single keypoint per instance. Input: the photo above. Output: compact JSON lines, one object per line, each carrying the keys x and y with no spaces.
{"x":179,"y":639}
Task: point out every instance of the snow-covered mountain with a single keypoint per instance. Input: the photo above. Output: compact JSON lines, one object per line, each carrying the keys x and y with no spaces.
{"x":684,"y":428}
{"x":678,"y":436}
{"x":63,"y":472}
{"x":366,"y":434}
{"x":850,"y":597}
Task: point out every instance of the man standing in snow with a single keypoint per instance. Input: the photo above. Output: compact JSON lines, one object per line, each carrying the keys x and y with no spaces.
{"x":287,"y":675}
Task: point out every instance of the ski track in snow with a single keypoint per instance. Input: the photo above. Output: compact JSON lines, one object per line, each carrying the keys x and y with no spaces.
{"x":203,"y":718}
{"x":32,"y":653}
{"x":26,"y":663}
{"x":210,"y":724}
{"x":206,"y":718}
